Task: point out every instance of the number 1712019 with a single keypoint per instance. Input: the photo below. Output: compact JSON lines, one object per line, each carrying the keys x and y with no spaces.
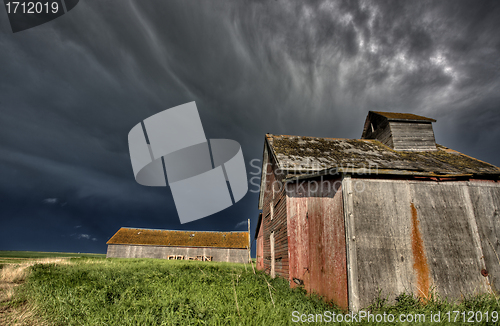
{"x":32,"y":7}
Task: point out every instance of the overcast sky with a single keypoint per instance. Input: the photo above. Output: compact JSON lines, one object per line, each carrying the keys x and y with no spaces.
{"x":71,"y":90}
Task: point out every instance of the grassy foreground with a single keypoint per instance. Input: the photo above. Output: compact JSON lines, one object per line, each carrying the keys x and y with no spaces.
{"x":160,"y":292}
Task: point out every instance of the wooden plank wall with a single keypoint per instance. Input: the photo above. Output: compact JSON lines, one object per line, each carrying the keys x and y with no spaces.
{"x":317,"y":246}
{"x":260,"y":248}
{"x":414,"y":136}
{"x":421,"y":236}
{"x":400,"y":135}
{"x":162,"y":252}
{"x":274,"y":220}
{"x":485,"y":203}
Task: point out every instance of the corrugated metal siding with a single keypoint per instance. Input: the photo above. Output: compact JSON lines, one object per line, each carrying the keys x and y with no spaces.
{"x":317,"y":245}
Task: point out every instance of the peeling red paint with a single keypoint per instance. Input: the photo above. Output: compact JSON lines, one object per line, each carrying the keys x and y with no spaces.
{"x":317,"y":245}
{"x":260,"y":247}
{"x":274,"y":220}
{"x":420,"y":265}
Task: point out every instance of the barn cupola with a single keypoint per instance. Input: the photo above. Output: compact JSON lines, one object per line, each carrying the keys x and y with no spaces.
{"x":400,"y":131}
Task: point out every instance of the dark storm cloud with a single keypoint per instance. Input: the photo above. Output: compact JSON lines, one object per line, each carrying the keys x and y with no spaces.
{"x":344,"y":58}
{"x":71,"y":89}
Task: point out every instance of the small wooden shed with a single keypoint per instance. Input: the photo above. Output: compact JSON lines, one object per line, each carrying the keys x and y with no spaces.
{"x":391,"y":212}
{"x":186,"y":245}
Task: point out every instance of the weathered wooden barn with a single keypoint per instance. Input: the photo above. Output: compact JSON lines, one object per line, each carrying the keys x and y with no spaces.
{"x":187,"y":245}
{"x":391,"y":212}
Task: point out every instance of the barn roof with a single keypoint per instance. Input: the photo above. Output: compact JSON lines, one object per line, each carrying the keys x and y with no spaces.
{"x":299,"y":155}
{"x":416,"y":154}
{"x":172,"y":238}
{"x":395,"y":116}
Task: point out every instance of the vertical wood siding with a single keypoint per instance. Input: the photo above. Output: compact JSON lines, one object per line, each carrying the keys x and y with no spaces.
{"x":260,"y":248}
{"x":317,"y":238}
{"x":485,"y":202}
{"x":420,"y":236}
{"x":162,"y":252}
{"x":278,"y":223}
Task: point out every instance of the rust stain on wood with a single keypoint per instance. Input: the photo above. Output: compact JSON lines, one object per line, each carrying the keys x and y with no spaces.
{"x":420,"y":265}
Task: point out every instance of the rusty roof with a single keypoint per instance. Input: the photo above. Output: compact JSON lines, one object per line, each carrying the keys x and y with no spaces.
{"x":394,"y":116}
{"x":298,"y":154}
{"x":155,"y":237}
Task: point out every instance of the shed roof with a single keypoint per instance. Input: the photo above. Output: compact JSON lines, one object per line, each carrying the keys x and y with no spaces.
{"x":298,"y":154}
{"x":395,"y":116}
{"x":172,"y":238}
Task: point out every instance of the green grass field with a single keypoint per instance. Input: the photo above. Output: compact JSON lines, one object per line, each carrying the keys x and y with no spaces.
{"x":161,"y":292}
{"x":96,"y":291}
{"x":14,"y":257}
{"x":42,"y":254}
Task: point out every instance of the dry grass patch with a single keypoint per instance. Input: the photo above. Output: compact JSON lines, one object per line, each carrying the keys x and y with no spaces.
{"x":11,"y":276}
{"x":17,"y":273}
{"x":6,"y":292}
{"x":22,"y":315}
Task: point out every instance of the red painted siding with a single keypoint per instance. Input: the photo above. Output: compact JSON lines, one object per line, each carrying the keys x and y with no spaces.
{"x":260,"y":248}
{"x":309,"y":237}
{"x":316,"y":238}
{"x":274,"y":204}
